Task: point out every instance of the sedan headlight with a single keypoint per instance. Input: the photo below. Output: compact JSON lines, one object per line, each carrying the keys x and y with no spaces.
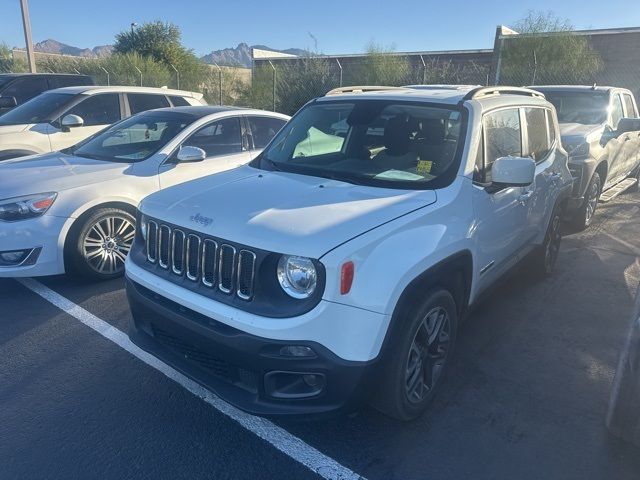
{"x":297,"y":276}
{"x":29,"y":206}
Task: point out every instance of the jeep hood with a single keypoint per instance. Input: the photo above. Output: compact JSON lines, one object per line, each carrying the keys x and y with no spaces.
{"x":54,"y":172}
{"x":281,"y":212}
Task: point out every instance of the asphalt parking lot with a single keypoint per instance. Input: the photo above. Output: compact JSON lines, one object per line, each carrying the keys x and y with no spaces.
{"x":526,"y":397}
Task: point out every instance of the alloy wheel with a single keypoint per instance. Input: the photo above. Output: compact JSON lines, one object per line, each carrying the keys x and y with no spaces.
{"x":427,"y":355}
{"x":107,"y":243}
{"x":592,"y":201}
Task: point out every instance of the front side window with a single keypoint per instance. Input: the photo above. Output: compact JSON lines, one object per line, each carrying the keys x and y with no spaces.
{"x":381,"y":143}
{"x":502,"y":137}
{"x":538,"y":139}
{"x":218,"y":138}
{"x":141,"y":102}
{"x":263,"y":129}
{"x":133,"y":139}
{"x":36,"y":110}
{"x":617,"y":113}
{"x":630,"y":108}
{"x":101,"y":109}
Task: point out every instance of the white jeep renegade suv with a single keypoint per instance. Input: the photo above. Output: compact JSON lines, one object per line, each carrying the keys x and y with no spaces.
{"x":337,"y":265}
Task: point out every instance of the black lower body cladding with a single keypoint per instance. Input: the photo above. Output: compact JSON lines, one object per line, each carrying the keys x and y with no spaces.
{"x":258,"y":375}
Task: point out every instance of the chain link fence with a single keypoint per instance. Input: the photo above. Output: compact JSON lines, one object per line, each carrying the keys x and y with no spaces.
{"x":286,"y":85}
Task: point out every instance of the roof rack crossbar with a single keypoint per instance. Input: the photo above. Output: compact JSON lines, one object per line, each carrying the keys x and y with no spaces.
{"x":496,"y":90}
{"x":361,"y":89}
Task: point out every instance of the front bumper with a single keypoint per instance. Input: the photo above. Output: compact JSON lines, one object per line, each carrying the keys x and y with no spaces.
{"x":246,"y":370}
{"x":43,"y":236}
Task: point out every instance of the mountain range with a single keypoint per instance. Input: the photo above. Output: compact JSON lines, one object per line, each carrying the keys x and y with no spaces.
{"x":239,"y":56}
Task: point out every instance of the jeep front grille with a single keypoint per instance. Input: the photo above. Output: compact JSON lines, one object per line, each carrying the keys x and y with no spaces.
{"x":201,"y":259}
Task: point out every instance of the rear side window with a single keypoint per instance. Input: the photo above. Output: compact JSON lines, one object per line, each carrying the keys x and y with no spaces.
{"x":538,"y":139}
{"x":68,"y":81}
{"x":263,"y":129}
{"x":616,"y":111}
{"x":502,"y":137}
{"x":628,"y":103}
{"x":141,"y":102}
{"x":178,"y":101}
{"x":101,"y":109}
{"x":25,"y":88}
{"x":218,"y":138}
{"x":551,"y":126}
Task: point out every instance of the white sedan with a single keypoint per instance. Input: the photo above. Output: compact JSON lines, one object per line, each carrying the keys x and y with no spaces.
{"x":74,"y":210}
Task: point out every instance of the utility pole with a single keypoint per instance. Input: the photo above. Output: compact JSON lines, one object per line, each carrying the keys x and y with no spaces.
{"x":133,"y":25}
{"x":26,"y":23}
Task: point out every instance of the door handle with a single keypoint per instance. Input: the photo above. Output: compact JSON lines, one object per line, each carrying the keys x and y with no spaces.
{"x":525,"y":196}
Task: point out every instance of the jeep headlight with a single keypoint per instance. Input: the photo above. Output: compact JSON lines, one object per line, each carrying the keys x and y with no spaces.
{"x":143,"y":224}
{"x":28,"y":206}
{"x":297,"y":276}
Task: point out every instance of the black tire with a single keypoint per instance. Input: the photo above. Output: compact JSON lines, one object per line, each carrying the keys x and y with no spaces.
{"x":584,"y":216}
{"x":543,"y":259}
{"x":395,"y":396}
{"x":98,"y":245}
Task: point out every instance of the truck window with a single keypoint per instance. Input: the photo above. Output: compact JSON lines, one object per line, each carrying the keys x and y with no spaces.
{"x":538,"y":141}
{"x":25,"y":88}
{"x":616,"y":111}
{"x":630,"y":108}
{"x":502,"y":137}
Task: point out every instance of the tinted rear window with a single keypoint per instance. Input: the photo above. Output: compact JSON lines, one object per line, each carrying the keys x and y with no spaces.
{"x":179,"y":101}
{"x":141,"y":102}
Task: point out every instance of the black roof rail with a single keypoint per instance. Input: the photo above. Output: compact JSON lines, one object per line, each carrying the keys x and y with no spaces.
{"x":496,"y":90}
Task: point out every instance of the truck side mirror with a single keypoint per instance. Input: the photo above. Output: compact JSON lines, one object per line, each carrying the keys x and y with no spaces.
{"x":8,"y":102}
{"x":628,"y":125}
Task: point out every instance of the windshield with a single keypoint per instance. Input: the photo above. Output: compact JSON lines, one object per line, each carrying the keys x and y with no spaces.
{"x":133,"y":139}
{"x":400,"y":144}
{"x":587,"y":108}
{"x":36,"y":110}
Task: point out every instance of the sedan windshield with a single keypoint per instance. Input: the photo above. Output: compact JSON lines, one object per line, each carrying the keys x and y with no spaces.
{"x":36,"y":110}
{"x":382,"y":143}
{"x":587,"y":108}
{"x":133,"y":139}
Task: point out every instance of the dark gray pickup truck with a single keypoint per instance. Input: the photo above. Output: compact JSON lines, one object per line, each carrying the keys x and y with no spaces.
{"x":600,"y":130}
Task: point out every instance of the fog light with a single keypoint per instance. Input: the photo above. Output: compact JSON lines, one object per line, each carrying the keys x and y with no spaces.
{"x":294,"y":385}
{"x":311,"y":380}
{"x":297,"y":351}
{"x":13,"y":257}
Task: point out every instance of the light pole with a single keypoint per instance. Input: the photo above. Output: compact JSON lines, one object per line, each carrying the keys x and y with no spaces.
{"x":133,"y":25}
{"x":26,"y":23}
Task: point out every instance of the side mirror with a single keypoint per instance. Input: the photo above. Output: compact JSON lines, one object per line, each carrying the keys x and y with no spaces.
{"x":8,"y":102}
{"x":191,"y":154}
{"x":628,"y":125}
{"x":513,"y":172}
{"x":71,"y":121}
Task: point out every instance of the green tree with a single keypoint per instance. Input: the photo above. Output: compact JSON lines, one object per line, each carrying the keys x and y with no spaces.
{"x":381,"y":66}
{"x":162,"y":42}
{"x":8,"y":63}
{"x":546,"y":50}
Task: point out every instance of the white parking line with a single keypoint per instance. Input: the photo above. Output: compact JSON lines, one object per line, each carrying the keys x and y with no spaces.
{"x":284,"y":441}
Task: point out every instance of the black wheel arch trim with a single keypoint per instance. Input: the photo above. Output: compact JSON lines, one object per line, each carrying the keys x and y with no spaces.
{"x":454,"y":274}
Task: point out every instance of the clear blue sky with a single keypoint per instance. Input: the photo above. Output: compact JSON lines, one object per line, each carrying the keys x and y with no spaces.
{"x":340,"y":26}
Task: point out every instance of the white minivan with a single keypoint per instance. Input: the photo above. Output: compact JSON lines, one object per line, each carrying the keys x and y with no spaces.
{"x":60,"y":118}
